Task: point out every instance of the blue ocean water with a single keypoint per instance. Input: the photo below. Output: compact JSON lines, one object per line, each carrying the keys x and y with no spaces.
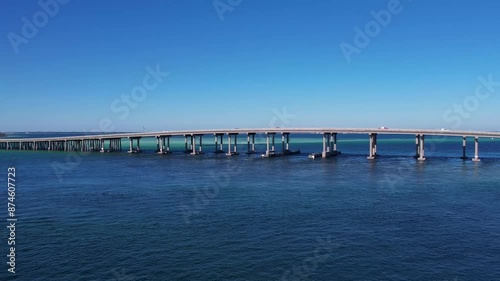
{"x":115,"y":216}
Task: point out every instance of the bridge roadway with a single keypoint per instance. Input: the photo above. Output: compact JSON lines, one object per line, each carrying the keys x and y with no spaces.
{"x":96,"y":142}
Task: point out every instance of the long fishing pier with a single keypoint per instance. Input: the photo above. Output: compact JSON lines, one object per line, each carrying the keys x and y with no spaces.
{"x":113,"y":142}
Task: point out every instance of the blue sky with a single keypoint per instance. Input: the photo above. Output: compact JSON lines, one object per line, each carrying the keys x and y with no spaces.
{"x":244,"y":69}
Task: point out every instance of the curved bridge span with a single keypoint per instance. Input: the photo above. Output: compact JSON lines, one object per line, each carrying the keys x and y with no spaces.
{"x":112,"y":142}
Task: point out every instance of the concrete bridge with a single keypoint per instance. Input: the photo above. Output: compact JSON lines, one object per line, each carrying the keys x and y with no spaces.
{"x":113,"y":142}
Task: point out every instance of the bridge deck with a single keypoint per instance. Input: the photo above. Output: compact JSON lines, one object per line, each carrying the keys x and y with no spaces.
{"x":455,"y":133}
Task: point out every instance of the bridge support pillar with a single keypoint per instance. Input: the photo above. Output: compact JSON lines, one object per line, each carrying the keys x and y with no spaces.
{"x":333,"y":142}
{"x":417,"y":146}
{"x":476,"y":150}
{"x":200,"y":149}
{"x":464,"y":148}
{"x":282,"y":142}
{"x":421,"y":154}
{"x":326,"y":148}
{"x":287,"y":145}
{"x":285,"y":142}
{"x":250,"y":143}
{"x":272,"y":142}
{"x":219,"y":147}
{"x":102,"y":145}
{"x":216,"y":143}
{"x":162,"y":148}
{"x":193,"y":145}
{"x":269,"y":147}
{"x":188,"y":145}
{"x":112,"y":145}
{"x":234,"y":150}
{"x":138,"y":148}
{"x":373,"y":139}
